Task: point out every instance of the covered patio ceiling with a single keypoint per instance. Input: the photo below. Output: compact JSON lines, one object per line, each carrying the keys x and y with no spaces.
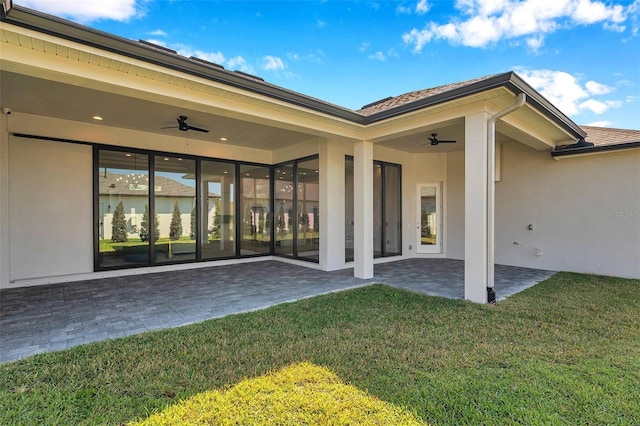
{"x":41,"y":97}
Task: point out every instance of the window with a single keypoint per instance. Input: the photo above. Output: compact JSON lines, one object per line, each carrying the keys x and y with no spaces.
{"x":255,"y":210}
{"x":283,"y":209}
{"x":174,"y":190}
{"x":308,"y":211}
{"x":297,"y":209}
{"x":217,"y":233}
{"x":387,"y":209}
{"x":122,"y":209}
{"x":154,"y":208}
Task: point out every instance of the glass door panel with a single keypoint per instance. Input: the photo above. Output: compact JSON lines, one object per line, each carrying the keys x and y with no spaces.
{"x":175,"y":209}
{"x":308,"y":211}
{"x":392,"y":211}
{"x":377,"y":209}
{"x":284,"y":220}
{"x":123,"y":202}
{"x":217,"y":237}
{"x":430,"y":218}
{"x":255,"y":191}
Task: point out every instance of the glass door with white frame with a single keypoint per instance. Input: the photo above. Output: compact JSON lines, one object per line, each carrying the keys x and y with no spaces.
{"x":429,"y":226}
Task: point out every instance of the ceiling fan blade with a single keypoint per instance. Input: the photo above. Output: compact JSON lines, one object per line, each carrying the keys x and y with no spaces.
{"x":170,"y":127}
{"x":197,"y":129}
{"x":447,"y":141}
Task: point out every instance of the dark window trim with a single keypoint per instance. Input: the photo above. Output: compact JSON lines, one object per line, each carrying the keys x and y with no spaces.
{"x":151,"y":154}
{"x":383,"y":232}
{"x":294,"y":165}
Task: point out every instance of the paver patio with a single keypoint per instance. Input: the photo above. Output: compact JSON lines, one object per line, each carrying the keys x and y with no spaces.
{"x":54,"y":317}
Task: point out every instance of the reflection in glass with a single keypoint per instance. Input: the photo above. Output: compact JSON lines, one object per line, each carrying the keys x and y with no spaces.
{"x":254,"y":210}
{"x":348,"y":209}
{"x":429,"y":225}
{"x":377,"y":209}
{"x":217,"y":192}
{"x":308,"y":201}
{"x":392,"y":211}
{"x":123,"y":196}
{"x":175,"y":209}
{"x":284,"y":220}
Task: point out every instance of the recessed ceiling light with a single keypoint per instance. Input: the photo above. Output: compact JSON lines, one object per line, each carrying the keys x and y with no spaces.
{"x":128,"y":155}
{"x":166,"y":158}
{"x":97,"y":117}
{"x":223,"y":139}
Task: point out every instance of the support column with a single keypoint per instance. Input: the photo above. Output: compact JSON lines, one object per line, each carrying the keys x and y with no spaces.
{"x":475,"y":207}
{"x":4,"y":202}
{"x":331,"y":205}
{"x":363,"y":209}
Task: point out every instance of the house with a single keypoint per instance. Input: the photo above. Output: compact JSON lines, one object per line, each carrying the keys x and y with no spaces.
{"x":485,"y":170}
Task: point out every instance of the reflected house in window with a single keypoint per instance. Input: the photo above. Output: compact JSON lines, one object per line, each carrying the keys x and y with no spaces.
{"x":133,"y":188}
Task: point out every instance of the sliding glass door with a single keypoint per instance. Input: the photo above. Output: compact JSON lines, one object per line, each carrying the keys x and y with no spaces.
{"x":387,"y":209}
{"x":123,"y":209}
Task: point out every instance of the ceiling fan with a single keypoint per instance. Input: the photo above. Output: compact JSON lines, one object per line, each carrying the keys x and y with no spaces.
{"x":183,"y":126}
{"x":434,"y":141}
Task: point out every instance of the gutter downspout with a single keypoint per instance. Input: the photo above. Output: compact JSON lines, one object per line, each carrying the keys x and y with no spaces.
{"x":491,"y":173}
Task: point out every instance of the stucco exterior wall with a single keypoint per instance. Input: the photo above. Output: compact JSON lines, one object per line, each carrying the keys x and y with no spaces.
{"x":50,"y":209}
{"x":455,"y":205}
{"x":585,"y":212}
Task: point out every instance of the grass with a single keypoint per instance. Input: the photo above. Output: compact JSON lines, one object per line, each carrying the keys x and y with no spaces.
{"x":563,"y":352}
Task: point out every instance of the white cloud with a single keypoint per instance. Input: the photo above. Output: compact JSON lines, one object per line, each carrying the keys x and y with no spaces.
{"x":239,"y":63}
{"x":87,"y":10}
{"x":184,"y":50}
{"x":378,"y":56}
{"x":321,"y":24}
{"x":272,"y":63}
{"x":158,"y":32}
{"x":603,"y":123}
{"x":421,"y":7}
{"x":315,"y":56}
{"x":535,"y":43}
{"x":364,"y":46}
{"x":158,"y":42}
{"x":566,"y":92}
{"x":486,"y":22}
{"x":596,"y":88}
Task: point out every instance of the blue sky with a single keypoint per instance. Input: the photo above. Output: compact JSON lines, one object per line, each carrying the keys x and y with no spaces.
{"x":583,"y":55}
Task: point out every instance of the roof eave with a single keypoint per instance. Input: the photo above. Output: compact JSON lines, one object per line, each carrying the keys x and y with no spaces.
{"x":48,"y":24}
{"x":596,"y":149}
{"x":509,"y":80}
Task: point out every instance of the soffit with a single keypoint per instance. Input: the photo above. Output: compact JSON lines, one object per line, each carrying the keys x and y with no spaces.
{"x":411,"y":131}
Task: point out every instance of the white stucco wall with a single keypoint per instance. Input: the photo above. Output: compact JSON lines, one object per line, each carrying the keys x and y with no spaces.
{"x":50,"y":209}
{"x":455,"y":205}
{"x":585,"y":212}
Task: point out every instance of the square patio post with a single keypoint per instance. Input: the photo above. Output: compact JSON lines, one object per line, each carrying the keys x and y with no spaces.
{"x":332,"y":204}
{"x":363,"y":209}
{"x":475,"y":207}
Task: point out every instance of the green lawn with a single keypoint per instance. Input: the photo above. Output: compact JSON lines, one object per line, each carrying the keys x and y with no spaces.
{"x":566,"y":351}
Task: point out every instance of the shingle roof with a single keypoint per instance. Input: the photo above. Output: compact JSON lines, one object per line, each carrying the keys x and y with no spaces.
{"x":406,"y":98}
{"x":121,"y":184}
{"x":600,"y":136}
